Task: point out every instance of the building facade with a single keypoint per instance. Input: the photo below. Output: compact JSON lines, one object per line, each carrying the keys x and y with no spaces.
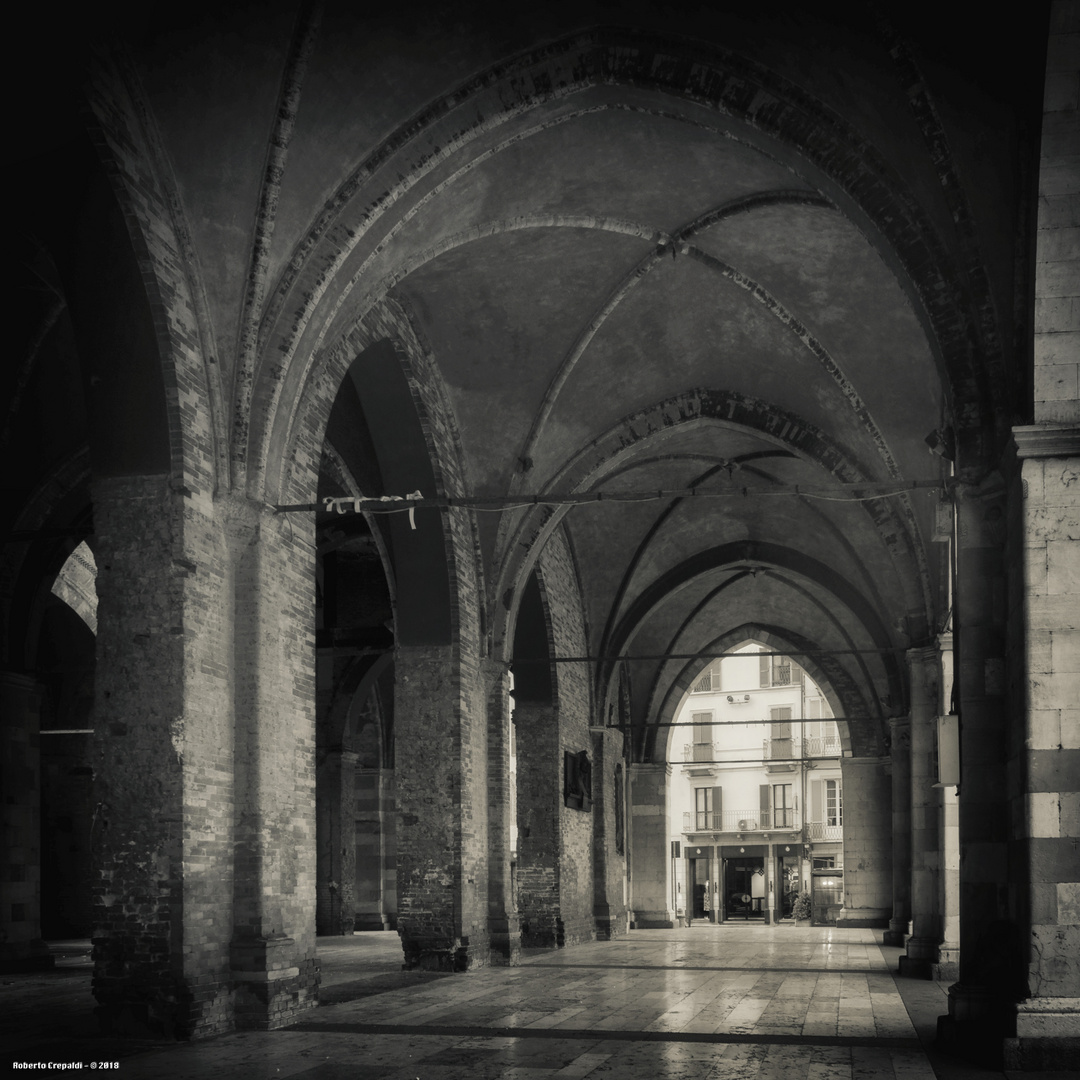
{"x":757,"y":806}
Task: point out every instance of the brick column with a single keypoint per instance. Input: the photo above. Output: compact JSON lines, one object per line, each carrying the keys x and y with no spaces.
{"x":163,"y":760}
{"x":376,"y":850}
{"x":539,"y":795}
{"x":335,"y":801}
{"x":21,"y":947}
{"x":609,"y":906}
{"x":900,"y":763}
{"x":272,"y":566}
{"x":503,"y":924}
{"x":440,"y":765}
{"x":650,"y":848}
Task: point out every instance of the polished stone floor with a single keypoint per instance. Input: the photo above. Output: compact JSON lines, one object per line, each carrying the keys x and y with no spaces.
{"x":730,"y":1001}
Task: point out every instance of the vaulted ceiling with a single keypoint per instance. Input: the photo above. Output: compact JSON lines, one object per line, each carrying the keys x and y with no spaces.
{"x":643,"y":250}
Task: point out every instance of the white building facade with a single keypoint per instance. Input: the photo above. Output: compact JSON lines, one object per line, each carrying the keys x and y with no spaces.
{"x":757,"y":798}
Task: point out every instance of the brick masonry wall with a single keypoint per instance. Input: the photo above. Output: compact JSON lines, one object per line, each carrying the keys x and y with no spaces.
{"x":139,"y":763}
{"x":539,"y":795}
{"x":273,"y":950}
{"x":20,"y":884}
{"x":561,"y":593}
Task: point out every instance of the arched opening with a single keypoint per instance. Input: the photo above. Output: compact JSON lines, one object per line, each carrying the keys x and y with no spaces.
{"x":757,"y":792}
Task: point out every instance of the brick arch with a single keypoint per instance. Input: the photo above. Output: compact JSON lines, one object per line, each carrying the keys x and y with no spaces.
{"x":297,"y":463}
{"x":141,"y":180}
{"x":858,"y":178}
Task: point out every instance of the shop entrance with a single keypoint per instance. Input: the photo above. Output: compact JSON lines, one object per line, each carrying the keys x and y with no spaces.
{"x":698,"y":878}
{"x":744,"y":888}
{"x":787,"y":874}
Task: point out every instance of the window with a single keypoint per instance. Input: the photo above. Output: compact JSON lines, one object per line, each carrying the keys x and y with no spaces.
{"x":782,"y":806}
{"x":834,"y":803}
{"x":781,"y":732}
{"x":703,"y":740}
{"x":709,"y":680}
{"x":776,"y":670}
{"x":707,"y":808}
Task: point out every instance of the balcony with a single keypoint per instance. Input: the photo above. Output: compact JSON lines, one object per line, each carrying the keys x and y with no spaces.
{"x":741,"y":821}
{"x":788,"y":751}
{"x":819,"y":830}
{"x":824,"y":746}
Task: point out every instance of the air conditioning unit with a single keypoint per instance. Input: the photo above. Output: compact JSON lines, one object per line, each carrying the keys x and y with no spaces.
{"x":730,"y":697}
{"x":747,"y":826}
{"x":746,"y":697}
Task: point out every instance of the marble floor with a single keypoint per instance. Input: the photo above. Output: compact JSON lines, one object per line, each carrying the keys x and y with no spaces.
{"x":704,"y":1002}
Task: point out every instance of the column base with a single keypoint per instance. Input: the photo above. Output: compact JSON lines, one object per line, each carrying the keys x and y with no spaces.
{"x":505,"y":931}
{"x":609,"y":924}
{"x":898,"y":932}
{"x":652,"y":920}
{"x":372,"y":920}
{"x":979,"y":1023}
{"x":273,"y":984}
{"x":440,"y":954}
{"x":863,"y":917}
{"x":1047,"y":1035}
{"x":922,"y":955}
{"x":947,"y":968}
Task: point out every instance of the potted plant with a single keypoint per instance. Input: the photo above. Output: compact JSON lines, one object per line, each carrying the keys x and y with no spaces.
{"x":801,"y":908}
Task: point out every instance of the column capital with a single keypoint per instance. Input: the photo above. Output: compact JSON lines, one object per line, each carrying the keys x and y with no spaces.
{"x":1047,"y":440}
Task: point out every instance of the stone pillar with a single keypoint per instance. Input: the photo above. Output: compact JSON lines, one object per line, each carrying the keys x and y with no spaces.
{"x":900,"y":763}
{"x":1047,"y":818}
{"x":650,"y":850}
{"x":947,"y":968}
{"x":922,"y":946}
{"x":981,"y":1009}
{"x":440,"y":767}
{"x":21,"y":947}
{"x":335,"y":804}
{"x":867,"y":834}
{"x":503,"y":925}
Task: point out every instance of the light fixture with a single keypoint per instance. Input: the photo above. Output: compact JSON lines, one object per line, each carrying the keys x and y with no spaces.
{"x":742,"y":851}
{"x":940,"y":441}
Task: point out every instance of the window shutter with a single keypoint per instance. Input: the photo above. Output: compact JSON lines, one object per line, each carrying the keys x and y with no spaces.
{"x":717,"y":807}
{"x":815,"y":800}
{"x":763,"y":670}
{"x":763,"y":804}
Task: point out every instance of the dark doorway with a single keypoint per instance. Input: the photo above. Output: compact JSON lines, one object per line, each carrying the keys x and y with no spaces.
{"x":744,"y":888}
{"x":700,"y":898}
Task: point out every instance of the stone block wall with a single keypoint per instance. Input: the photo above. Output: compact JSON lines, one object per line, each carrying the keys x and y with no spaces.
{"x":867,"y":842}
{"x":650,"y":856}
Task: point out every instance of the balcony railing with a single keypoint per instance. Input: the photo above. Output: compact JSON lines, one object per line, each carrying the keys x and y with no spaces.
{"x":789,"y":749}
{"x":740,"y":821}
{"x":819,"y":830}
